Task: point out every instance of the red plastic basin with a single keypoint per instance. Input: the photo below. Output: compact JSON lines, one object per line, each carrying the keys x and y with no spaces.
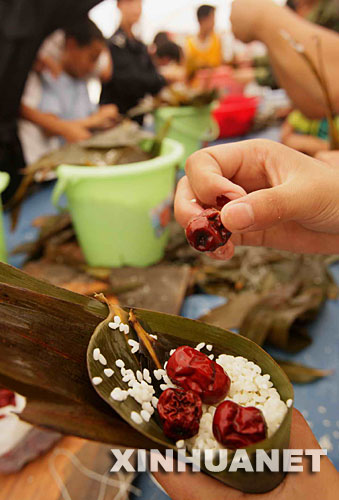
{"x":235,"y":115}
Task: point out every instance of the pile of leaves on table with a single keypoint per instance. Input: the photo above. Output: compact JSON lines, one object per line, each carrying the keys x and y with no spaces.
{"x":117,"y":146}
{"x":126,"y":143}
{"x":178,"y":95}
{"x":272,"y":295}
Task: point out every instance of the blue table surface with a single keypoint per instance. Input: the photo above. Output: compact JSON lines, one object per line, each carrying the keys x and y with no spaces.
{"x":317,"y":401}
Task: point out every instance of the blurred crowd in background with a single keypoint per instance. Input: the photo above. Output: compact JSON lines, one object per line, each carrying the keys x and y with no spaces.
{"x":58,"y":106}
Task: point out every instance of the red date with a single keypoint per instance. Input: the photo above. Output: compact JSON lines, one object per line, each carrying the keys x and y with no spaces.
{"x":193,"y":370}
{"x":236,"y":426}
{"x":180,"y":412}
{"x":7,"y":398}
{"x":206,"y":232}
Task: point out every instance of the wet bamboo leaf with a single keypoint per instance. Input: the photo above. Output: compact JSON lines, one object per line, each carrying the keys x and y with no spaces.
{"x":302,"y":374}
{"x":273,"y":318}
{"x":232,"y":314}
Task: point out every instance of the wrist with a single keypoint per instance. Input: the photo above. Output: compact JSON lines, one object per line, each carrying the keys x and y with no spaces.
{"x":90,"y":121}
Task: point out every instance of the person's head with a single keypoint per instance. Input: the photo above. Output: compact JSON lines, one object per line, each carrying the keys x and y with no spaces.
{"x":168,"y":52}
{"x":131,"y":11}
{"x":160,"y":38}
{"x":83,"y":46}
{"x":206,"y":18}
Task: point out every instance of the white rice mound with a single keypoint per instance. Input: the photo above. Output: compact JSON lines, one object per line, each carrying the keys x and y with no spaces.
{"x":248,"y":388}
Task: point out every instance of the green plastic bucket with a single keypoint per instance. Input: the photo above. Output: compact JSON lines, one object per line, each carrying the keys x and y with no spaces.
{"x":188,"y":125}
{"x":121,"y":213}
{"x":4,"y":180}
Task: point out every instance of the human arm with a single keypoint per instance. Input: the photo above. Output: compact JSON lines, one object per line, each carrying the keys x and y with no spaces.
{"x":105,"y":117}
{"x":292,"y":201}
{"x":71,"y":130}
{"x":304,"y":143}
{"x":265,"y":21}
{"x":330,"y":157}
{"x":323,"y":484}
{"x":47,"y":63}
{"x":53,"y":125}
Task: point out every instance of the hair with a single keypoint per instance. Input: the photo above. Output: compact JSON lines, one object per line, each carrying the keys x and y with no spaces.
{"x":204,"y":11}
{"x":291,"y":4}
{"x":84,"y":31}
{"x":171,"y":50}
{"x":161,"y":38}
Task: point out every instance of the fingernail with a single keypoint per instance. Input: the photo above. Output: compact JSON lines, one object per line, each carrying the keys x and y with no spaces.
{"x":238,"y":216}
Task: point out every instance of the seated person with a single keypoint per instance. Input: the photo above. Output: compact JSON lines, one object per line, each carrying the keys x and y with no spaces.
{"x":205,"y":49}
{"x":167,"y":53}
{"x":159,"y":39}
{"x":57,"y":109}
{"x":305,"y":135}
{"x":168,"y":58}
{"x":134,"y":74}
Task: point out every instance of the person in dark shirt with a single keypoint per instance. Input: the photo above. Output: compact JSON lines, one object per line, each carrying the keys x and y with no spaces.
{"x":24,"y":24}
{"x":134,"y":74}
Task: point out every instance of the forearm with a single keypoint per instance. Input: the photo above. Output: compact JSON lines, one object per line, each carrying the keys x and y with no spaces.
{"x":71,"y":131}
{"x":289,"y":67}
{"x":89,"y":122}
{"x":306,"y":143}
{"x":50,"y":123}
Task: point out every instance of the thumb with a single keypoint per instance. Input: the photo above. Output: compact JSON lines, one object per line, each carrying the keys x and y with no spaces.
{"x":263,"y":209}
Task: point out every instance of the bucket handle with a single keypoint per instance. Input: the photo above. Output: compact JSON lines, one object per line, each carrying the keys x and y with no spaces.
{"x":213,"y":133}
{"x":58,"y":191}
{"x":4,"y":181}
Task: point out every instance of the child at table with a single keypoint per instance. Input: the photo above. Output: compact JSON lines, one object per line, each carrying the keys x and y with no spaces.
{"x":305,"y":135}
{"x":57,"y":108}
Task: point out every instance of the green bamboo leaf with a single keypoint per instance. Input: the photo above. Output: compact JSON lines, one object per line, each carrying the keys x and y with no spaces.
{"x":302,"y":374}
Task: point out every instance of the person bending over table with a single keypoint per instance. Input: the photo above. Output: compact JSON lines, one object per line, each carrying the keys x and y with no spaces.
{"x":24,"y":24}
{"x":305,"y":135}
{"x":58,"y":109}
